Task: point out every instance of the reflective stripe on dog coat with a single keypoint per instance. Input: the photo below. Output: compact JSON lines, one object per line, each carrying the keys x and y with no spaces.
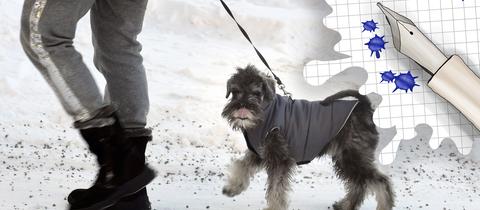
{"x":308,"y":126}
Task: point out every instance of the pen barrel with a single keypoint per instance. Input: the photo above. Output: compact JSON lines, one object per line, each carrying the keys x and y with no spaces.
{"x":456,"y":83}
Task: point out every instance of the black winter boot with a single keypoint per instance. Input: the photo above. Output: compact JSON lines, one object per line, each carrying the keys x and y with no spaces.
{"x":123,"y":172}
{"x":95,"y":137}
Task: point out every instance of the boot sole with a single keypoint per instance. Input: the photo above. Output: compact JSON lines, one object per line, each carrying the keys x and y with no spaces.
{"x":129,"y":188}
{"x":140,"y":202}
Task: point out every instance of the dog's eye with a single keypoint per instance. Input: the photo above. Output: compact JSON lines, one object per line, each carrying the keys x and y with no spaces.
{"x":257,"y":93}
{"x":235,"y":92}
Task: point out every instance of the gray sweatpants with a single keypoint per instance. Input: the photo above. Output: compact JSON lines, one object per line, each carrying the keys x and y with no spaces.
{"x":47,"y":32}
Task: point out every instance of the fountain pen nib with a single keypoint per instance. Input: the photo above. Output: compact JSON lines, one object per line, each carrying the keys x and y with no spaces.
{"x":394,"y":20}
{"x":393,"y":16}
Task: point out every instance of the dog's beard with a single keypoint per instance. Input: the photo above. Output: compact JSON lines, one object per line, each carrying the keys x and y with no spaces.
{"x":239,"y":124}
{"x":241,"y":118}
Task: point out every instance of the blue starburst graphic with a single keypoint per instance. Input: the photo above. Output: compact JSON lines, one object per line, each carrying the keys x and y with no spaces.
{"x":369,"y":26}
{"x":376,"y":44}
{"x":405,"y":82}
{"x":387,"y":76}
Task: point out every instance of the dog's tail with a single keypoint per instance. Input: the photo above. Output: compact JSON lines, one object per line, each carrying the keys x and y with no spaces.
{"x":346,"y":93}
{"x":363,"y":109}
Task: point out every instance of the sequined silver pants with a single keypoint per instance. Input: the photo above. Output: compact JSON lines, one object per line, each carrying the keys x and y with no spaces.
{"x":47,"y":32}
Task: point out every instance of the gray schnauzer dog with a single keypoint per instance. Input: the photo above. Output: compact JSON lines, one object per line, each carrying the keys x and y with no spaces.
{"x":282,"y":133}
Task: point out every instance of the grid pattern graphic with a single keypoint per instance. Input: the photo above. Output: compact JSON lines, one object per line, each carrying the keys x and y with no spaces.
{"x":451,"y":24}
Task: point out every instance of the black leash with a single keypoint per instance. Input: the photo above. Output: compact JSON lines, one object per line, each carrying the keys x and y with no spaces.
{"x":279,"y":82}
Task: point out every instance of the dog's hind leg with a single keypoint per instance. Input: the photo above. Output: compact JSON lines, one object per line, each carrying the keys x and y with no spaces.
{"x":357,"y":169}
{"x":382,"y":187}
{"x":352,"y":152}
{"x":280,"y":167}
{"x":379,"y":184}
{"x":240,"y":173}
{"x":355,"y":195}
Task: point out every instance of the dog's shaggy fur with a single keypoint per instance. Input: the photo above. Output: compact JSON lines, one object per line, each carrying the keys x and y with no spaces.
{"x":352,"y":150}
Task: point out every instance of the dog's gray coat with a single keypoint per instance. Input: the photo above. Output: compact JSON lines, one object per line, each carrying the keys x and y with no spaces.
{"x":308,"y":126}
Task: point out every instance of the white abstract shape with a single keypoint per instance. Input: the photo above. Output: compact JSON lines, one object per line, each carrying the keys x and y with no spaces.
{"x":416,"y":147}
{"x":350,"y":78}
{"x":419,"y":148}
{"x":475,"y":154}
{"x":376,"y":99}
{"x":385,"y":137}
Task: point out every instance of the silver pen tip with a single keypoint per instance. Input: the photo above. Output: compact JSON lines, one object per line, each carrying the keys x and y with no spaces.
{"x":393,"y":19}
{"x":380,"y":5}
{"x":393,"y":16}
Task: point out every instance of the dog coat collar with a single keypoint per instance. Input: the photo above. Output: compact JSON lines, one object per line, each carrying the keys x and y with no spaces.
{"x":308,"y":126}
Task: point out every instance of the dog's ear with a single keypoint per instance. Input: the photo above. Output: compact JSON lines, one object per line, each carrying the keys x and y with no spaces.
{"x":268,"y":87}
{"x":228,"y":88}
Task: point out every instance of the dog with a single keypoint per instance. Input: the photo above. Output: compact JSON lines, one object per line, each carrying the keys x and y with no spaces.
{"x":351,"y":145}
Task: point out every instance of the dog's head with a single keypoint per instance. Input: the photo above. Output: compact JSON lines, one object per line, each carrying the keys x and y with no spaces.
{"x":251,"y":90}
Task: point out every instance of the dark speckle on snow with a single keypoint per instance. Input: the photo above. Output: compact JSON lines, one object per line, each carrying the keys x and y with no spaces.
{"x":192,"y":174}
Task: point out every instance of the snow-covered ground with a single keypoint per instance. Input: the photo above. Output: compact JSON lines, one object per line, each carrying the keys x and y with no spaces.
{"x":191,"y":47}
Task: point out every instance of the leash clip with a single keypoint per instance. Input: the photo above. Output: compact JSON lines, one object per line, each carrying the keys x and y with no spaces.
{"x":284,"y":90}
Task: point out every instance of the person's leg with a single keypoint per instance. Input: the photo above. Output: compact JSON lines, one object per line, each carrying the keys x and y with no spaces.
{"x":47,"y":32}
{"x":115,"y":27}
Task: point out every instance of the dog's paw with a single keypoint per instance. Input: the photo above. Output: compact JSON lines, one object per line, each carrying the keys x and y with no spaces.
{"x":337,"y":206}
{"x":274,"y":135}
{"x":232,"y":191}
{"x":276,"y":208}
{"x":274,"y":132}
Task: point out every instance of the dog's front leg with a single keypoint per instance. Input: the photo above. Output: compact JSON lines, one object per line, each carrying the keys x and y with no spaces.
{"x":240,"y":173}
{"x":280,"y":167}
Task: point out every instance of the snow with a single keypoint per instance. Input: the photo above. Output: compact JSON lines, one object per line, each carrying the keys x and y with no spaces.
{"x":190,"y":49}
